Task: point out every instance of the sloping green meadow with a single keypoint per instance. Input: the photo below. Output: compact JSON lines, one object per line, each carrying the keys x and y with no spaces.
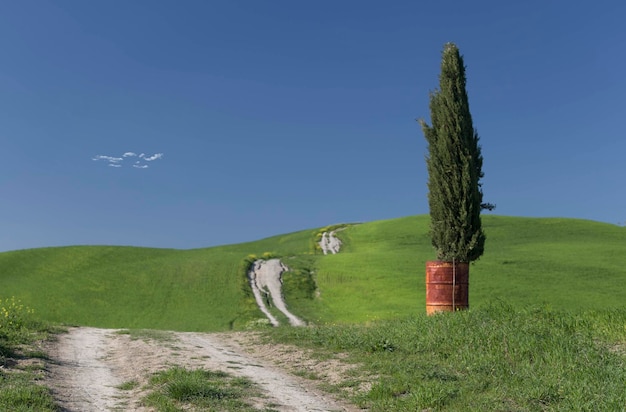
{"x":131,"y":287}
{"x":567,"y":264}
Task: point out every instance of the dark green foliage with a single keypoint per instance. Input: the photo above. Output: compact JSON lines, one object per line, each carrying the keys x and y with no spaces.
{"x":454,"y":166}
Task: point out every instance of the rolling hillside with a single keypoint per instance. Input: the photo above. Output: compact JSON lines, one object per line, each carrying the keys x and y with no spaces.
{"x":563,"y":263}
{"x":111,"y":286}
{"x":379,"y":274}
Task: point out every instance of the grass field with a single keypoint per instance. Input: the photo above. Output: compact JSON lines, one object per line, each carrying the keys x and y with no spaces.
{"x":561,"y":263}
{"x":130,"y":287}
{"x":495,"y":358}
{"x":546,"y":329}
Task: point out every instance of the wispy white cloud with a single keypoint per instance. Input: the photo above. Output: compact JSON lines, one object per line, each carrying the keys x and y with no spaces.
{"x":155,"y":156}
{"x":114,"y":161}
{"x":108,"y":158}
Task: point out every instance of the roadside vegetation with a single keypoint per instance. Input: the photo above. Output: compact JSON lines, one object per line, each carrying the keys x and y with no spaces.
{"x":493,"y":358}
{"x":21,"y":359}
{"x":178,"y":389}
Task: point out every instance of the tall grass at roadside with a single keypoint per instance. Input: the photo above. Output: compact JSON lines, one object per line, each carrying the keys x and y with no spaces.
{"x":492,"y":358}
{"x":19,"y":329}
{"x":178,"y":389}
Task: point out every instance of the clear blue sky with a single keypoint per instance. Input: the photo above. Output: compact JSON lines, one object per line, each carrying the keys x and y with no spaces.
{"x":246,"y":119}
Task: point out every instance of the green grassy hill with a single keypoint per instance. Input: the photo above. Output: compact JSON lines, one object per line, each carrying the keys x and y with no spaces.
{"x":110,"y":286}
{"x":564,"y":263}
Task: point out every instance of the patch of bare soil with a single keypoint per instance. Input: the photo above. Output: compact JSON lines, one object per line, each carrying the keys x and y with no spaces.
{"x":87,"y":367}
{"x":301,"y":362}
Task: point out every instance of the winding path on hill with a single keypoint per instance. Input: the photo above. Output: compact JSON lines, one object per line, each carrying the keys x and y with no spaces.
{"x":265,"y":277}
{"x":330,"y":243}
{"x":266,"y":282}
{"x":87,"y":366}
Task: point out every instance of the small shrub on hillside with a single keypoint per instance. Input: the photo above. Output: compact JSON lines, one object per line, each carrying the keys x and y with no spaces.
{"x":320,"y":233}
{"x":17,"y":322}
{"x":269,"y":255}
{"x":13,"y":314}
{"x":251,"y":258}
{"x":19,"y":390}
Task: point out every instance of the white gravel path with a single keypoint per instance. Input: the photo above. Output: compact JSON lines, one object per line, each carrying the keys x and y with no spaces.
{"x":330,"y":243}
{"x":266,"y":281}
{"x":87,"y":365}
{"x":82,"y":379}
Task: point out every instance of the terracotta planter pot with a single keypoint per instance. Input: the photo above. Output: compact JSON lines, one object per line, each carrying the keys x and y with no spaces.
{"x":447,"y":286}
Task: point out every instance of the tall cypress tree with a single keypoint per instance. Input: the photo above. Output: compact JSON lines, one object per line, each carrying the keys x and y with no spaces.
{"x":454,"y":165}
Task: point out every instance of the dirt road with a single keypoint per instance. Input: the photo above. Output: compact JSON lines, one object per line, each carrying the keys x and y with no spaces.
{"x":266,"y":279}
{"x":88,"y":365}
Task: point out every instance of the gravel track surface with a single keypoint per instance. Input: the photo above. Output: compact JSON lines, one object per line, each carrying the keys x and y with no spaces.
{"x":87,"y":366}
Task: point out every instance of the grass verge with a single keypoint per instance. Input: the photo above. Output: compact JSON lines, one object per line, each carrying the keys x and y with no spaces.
{"x":178,"y":389}
{"x":492,"y":358}
{"x":21,"y":360}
